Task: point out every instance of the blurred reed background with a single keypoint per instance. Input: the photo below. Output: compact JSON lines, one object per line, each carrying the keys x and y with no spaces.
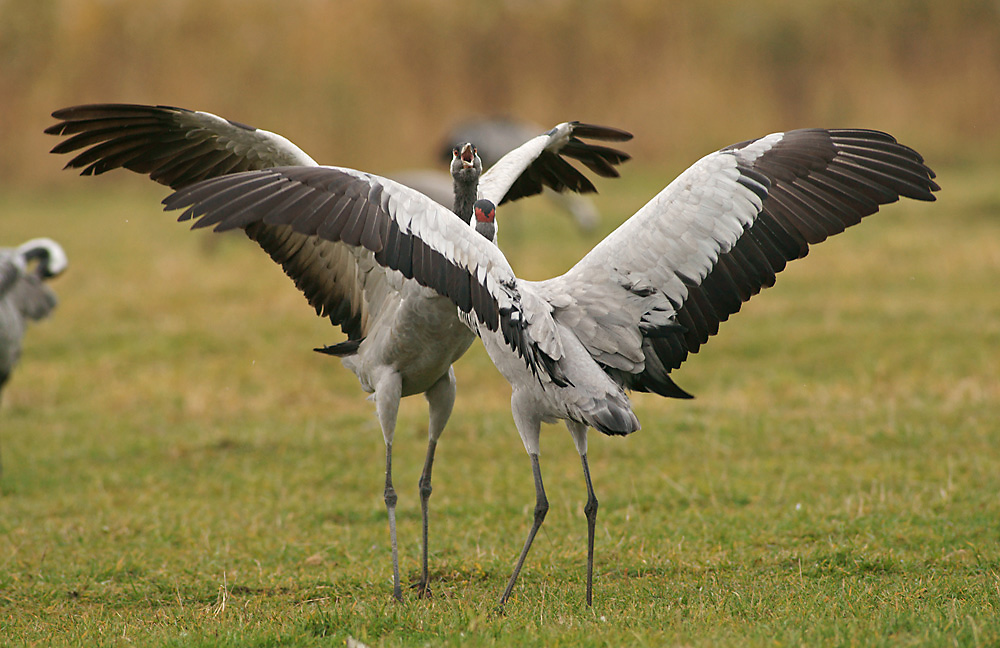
{"x":375,"y":84}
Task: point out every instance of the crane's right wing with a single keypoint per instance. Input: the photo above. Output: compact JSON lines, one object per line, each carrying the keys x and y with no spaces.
{"x":174,"y":146}
{"x":540,"y":162}
{"x":659,"y":286}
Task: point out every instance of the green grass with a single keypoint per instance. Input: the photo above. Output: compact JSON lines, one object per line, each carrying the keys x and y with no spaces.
{"x":181,"y":469}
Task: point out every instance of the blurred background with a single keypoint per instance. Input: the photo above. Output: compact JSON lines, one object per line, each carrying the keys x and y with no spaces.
{"x":170,"y":427}
{"x":376,"y":84}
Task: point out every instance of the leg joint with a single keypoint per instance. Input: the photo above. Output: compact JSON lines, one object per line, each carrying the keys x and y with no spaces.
{"x":541,"y":508}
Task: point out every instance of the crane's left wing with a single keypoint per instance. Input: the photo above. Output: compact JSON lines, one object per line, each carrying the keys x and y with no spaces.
{"x":659,"y":286}
{"x":540,"y":162}
{"x":400,"y":228}
{"x":174,"y":146}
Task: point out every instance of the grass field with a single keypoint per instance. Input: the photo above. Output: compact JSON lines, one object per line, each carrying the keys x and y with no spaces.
{"x":181,"y":469}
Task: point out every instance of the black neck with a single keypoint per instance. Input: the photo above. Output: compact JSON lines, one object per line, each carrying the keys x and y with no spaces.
{"x":465,"y":198}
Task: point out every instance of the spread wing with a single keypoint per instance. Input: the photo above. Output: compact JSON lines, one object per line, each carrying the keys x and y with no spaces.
{"x":659,"y":286}
{"x":540,"y":162}
{"x":179,"y":147}
{"x":403,"y":230}
{"x":173,"y":146}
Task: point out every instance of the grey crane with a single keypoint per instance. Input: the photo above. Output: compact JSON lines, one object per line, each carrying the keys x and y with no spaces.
{"x":402,"y":337}
{"x":633,"y":309}
{"x":495,"y":137}
{"x":24,"y":297}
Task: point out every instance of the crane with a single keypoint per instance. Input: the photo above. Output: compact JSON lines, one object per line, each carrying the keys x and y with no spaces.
{"x":24,"y":297}
{"x":633,"y":308}
{"x":402,"y":337}
{"x":495,"y":137}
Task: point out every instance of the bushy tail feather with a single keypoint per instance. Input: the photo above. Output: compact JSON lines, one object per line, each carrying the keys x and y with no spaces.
{"x":614,"y":419}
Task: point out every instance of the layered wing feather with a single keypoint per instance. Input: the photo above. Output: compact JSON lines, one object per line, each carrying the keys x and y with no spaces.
{"x":540,"y":162}
{"x":179,"y":147}
{"x":174,"y":146}
{"x":403,"y":230}
{"x":659,"y":286}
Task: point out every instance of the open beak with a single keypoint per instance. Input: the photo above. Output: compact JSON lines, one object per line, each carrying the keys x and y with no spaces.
{"x":468,"y":155}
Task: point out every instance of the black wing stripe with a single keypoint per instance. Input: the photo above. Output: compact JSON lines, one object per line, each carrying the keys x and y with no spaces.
{"x":329,"y":298}
{"x":105,"y":135}
{"x":805,"y":225}
{"x":741,"y":269}
{"x":551,"y":169}
{"x":800,"y":204}
{"x":824,"y":200}
{"x":240,"y":200}
{"x":599,"y":159}
{"x":107,"y":155}
{"x":606,"y":133}
{"x":167,"y":143}
{"x":182,"y":168}
{"x":234,"y":197}
{"x":751,"y":256}
{"x":863,"y":187}
{"x":817,"y":183}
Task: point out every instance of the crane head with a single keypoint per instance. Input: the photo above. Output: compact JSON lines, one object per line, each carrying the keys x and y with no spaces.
{"x":486,"y":214}
{"x":466,"y":166}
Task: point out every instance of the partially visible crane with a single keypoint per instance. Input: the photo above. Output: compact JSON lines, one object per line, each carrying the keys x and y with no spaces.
{"x":402,"y":338}
{"x":495,"y":137}
{"x":24,"y":297}
{"x":634,"y":308}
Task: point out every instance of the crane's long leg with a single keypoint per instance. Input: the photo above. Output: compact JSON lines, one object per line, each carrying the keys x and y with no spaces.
{"x":441,"y":400}
{"x":388,"y":391}
{"x":590,"y":510}
{"x":541,"y":508}
{"x":579,"y":432}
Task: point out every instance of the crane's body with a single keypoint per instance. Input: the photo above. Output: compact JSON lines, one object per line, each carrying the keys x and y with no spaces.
{"x":405,"y":329}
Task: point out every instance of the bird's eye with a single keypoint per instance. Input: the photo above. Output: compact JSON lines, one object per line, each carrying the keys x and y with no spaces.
{"x":454,"y":151}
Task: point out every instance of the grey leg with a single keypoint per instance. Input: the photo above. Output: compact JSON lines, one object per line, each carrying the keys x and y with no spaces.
{"x":579,"y":433}
{"x":541,"y":508}
{"x":590,"y":510}
{"x":440,"y":399}
{"x":387,"y":394}
{"x":390,"y":505}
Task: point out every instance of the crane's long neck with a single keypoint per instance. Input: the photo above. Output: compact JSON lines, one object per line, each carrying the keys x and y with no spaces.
{"x":465,"y":198}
